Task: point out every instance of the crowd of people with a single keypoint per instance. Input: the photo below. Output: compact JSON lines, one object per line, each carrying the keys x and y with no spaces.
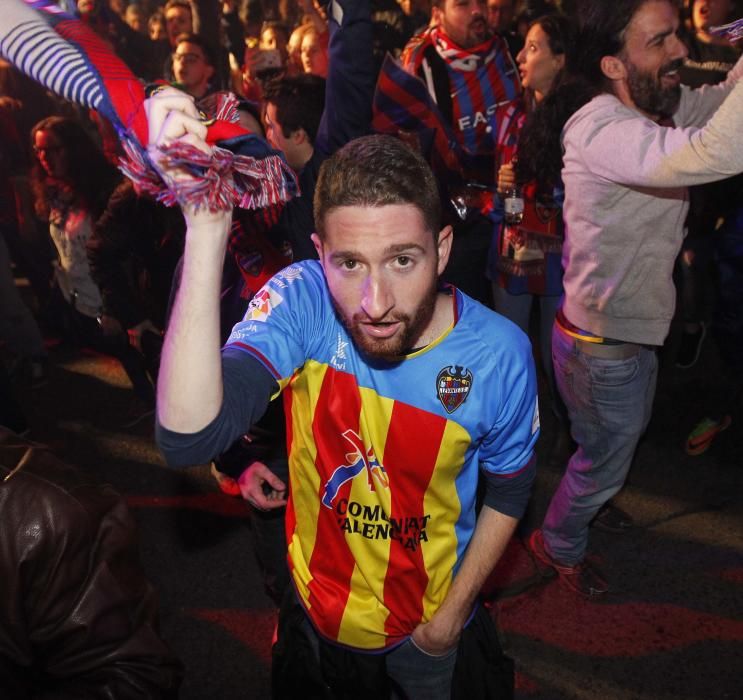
{"x":452,"y":158}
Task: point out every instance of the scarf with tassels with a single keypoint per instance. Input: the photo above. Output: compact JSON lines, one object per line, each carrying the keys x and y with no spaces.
{"x":68,"y":58}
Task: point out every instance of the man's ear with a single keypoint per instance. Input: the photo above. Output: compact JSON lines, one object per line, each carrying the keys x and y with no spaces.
{"x":299,"y":136}
{"x":317,"y":241}
{"x":613,"y":68}
{"x":445,"y":240}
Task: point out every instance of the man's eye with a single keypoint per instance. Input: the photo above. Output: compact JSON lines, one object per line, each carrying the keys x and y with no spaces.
{"x":403,"y":260}
{"x":349,"y":264}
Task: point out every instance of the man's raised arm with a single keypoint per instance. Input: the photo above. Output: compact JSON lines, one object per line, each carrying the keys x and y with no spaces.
{"x":189,"y":390}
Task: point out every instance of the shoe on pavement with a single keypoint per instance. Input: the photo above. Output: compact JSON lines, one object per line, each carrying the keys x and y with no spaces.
{"x":690,"y":347}
{"x":582,"y":578}
{"x":704,"y":433}
{"x":613,"y":519}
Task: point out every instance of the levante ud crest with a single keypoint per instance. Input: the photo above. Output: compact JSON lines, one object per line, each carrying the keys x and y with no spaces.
{"x":453,"y":386}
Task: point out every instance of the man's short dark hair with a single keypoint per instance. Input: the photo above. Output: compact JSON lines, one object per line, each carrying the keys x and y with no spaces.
{"x":602,"y":29}
{"x":374,"y":171}
{"x":184,"y":4}
{"x":199,"y":41}
{"x":299,"y":103}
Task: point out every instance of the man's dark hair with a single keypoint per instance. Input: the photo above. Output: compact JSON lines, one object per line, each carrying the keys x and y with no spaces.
{"x":197,"y":40}
{"x":602,"y":29}
{"x":299,"y":102}
{"x":374,"y":171}
{"x":277,"y":28}
{"x":602,"y":25}
{"x":530,"y":10}
{"x":185,"y":4}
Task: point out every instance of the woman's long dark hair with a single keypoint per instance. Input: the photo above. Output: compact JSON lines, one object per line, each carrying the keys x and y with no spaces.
{"x":90,"y":177}
{"x":601,"y":28}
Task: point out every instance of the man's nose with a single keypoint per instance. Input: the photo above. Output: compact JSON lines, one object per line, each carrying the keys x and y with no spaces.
{"x":377,"y":298}
{"x":679,"y":48}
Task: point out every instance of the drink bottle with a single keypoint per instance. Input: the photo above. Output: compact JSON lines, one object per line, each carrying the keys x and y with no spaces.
{"x":514,"y":206}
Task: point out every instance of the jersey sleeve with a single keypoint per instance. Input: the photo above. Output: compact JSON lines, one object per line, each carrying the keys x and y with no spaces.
{"x":282,"y":320}
{"x":509,"y":445}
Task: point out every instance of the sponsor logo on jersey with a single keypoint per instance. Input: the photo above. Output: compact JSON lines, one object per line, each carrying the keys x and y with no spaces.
{"x":242,"y":333}
{"x":453,"y":385}
{"x":262,"y":304}
{"x":338,"y":360}
{"x":359,"y":461}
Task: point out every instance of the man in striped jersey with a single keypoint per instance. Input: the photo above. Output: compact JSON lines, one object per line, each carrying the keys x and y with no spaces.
{"x":399,"y":396}
{"x":471,"y":78}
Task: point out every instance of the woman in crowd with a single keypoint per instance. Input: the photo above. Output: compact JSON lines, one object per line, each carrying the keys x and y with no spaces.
{"x":72,"y":182}
{"x":525,"y":265}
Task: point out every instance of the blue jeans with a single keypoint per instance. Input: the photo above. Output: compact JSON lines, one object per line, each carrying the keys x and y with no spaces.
{"x":517,"y":308}
{"x":416,"y":675}
{"x":419,"y":675}
{"x":609,"y":404}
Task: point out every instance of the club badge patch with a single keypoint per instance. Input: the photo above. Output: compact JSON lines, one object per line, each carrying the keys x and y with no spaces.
{"x":546,"y":212}
{"x":453,"y":386}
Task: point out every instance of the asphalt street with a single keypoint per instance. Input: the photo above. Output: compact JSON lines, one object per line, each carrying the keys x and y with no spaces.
{"x":671,"y":628}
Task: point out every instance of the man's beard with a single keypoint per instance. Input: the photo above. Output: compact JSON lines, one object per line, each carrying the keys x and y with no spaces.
{"x":478,"y":29}
{"x":648,"y":93}
{"x":392,"y":349}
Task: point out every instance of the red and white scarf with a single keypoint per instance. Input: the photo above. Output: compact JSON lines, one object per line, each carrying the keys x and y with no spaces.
{"x":467,"y":60}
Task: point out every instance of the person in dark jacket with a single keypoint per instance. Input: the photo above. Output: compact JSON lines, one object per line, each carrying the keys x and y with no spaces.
{"x":78,"y":618}
{"x":133,"y":253}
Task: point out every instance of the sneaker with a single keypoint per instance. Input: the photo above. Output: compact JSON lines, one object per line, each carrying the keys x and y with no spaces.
{"x":704,"y":433}
{"x":583,"y":578}
{"x":690,"y":347}
{"x":611,"y":518}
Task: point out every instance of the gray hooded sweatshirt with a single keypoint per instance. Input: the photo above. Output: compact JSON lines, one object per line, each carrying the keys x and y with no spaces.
{"x":626,"y":201}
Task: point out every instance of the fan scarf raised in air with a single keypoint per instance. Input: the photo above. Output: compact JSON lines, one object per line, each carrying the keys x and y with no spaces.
{"x":68,"y":58}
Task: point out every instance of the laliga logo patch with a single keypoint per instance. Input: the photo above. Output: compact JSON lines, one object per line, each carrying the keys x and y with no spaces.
{"x":262,"y":304}
{"x":453,"y":386}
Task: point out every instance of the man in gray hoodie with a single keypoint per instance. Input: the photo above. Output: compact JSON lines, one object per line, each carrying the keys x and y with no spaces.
{"x":629,"y":153}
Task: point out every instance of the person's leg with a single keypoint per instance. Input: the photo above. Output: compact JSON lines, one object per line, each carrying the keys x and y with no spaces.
{"x":609,"y":404}
{"x":694,"y":273}
{"x":269,"y":537}
{"x":548,"y":306}
{"x":515,"y":307}
{"x":18,"y":328}
{"x":117,"y":346}
{"x":11,"y":415}
{"x":421,"y":676}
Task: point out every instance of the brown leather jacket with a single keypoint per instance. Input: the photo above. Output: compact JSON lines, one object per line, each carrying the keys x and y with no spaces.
{"x":77,"y":617}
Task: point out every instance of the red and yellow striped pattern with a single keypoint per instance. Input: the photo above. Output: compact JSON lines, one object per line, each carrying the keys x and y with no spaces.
{"x":362,"y":586}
